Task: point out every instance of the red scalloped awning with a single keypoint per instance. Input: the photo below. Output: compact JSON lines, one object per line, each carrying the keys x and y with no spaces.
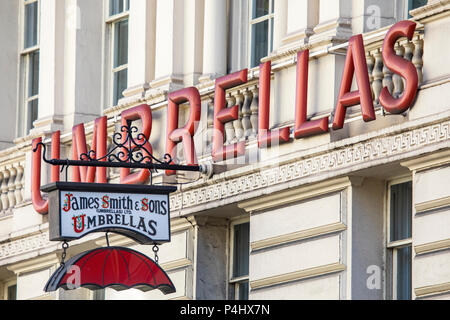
{"x":116,"y":267}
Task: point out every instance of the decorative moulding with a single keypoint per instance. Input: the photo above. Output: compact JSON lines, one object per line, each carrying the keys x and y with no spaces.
{"x":38,"y":263}
{"x":432,"y":204}
{"x":435,"y":159}
{"x":334,"y":159}
{"x":299,"y":235}
{"x":297,"y":275}
{"x":432,"y":290}
{"x":432,"y":247}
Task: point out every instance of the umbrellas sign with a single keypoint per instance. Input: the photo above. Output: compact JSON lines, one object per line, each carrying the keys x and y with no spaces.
{"x":140,"y":212}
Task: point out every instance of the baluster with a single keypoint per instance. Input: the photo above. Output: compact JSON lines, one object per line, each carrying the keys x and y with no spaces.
{"x":387,"y":79}
{"x":377,"y":75}
{"x":246,"y":112}
{"x":4,"y":189}
{"x":417,"y":57}
{"x":254,"y":111}
{"x":229,"y":128}
{"x":18,"y":185}
{"x":238,"y":128}
{"x":370,"y":64}
{"x":398,"y":82}
{"x":12,"y":187}
{"x":409,"y":50}
{"x":209,"y":123}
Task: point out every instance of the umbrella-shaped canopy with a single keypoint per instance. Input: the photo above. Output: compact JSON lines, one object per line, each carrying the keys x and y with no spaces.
{"x":117,"y":267}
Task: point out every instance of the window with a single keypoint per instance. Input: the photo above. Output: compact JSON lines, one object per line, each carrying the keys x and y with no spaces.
{"x":8,"y":289}
{"x":118,"y":54}
{"x":399,"y":239}
{"x":261,"y":30}
{"x":240,"y":245}
{"x":413,"y":4}
{"x":29,"y":60}
{"x":11,"y":292}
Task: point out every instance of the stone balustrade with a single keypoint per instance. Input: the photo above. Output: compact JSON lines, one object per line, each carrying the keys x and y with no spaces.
{"x":380,"y":76}
{"x":12,"y":181}
{"x":245,"y":128}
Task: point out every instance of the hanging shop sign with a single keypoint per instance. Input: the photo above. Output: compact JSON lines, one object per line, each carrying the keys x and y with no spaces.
{"x":140,"y":212}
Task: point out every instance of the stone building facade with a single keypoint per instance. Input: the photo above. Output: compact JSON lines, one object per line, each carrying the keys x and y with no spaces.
{"x":360,"y":212}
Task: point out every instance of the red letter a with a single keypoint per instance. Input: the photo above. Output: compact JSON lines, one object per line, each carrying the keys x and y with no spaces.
{"x":355,"y":63}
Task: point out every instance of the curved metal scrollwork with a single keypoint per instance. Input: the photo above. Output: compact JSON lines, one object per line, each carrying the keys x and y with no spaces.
{"x":128,"y":152}
{"x":127,"y":149}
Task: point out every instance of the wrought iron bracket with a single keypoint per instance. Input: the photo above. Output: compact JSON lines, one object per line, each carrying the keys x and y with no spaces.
{"x":128,"y":152}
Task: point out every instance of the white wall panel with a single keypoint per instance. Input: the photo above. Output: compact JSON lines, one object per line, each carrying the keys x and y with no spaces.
{"x":431,"y":227}
{"x":297,"y":217}
{"x":431,"y":185}
{"x":31,"y":285}
{"x":431,"y":269}
{"x":294,"y":257}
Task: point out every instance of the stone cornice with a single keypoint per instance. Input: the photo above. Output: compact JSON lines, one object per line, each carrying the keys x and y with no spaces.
{"x":431,"y":10}
{"x":395,"y":143}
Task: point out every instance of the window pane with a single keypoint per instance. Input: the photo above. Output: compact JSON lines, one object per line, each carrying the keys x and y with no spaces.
{"x":32,"y":113}
{"x":243,"y":290}
{"x":404,"y":273}
{"x":31,"y":19}
{"x":33,"y":74}
{"x":401,"y":211}
{"x":260,"y":42}
{"x":260,"y":8}
{"x":413,"y":4}
{"x":120,"y":84}
{"x":115,"y":7}
{"x":241,"y":249}
{"x":120,"y":43}
{"x":12,"y":292}
{"x":271,"y":36}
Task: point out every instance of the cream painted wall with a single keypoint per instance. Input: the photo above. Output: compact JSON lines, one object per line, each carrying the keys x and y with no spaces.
{"x":9,"y":16}
{"x":71,"y":87}
{"x":430,"y":272}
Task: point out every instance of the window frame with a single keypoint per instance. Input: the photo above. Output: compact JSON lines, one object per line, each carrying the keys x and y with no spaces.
{"x":111,"y":22}
{"x":271,"y":19}
{"x":392,"y":246}
{"x":6,"y":284}
{"x":236,"y":281}
{"x":409,"y":7}
{"x":25,"y":56}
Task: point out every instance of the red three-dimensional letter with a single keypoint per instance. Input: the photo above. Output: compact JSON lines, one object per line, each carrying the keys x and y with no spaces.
{"x":144,"y":113}
{"x":88,"y":174}
{"x":399,"y":66}
{"x":185,"y":134}
{"x":355,"y":63}
{"x":265,"y":136}
{"x":303,"y":127}
{"x":39,"y":204}
{"x":223,"y":115}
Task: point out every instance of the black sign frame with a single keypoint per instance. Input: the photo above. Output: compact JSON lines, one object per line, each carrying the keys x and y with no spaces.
{"x":53,"y":189}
